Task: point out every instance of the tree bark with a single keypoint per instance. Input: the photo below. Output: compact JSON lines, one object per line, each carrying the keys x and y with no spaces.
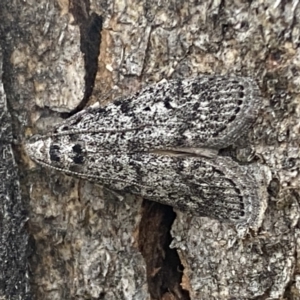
{"x":14,"y":282}
{"x":86,"y":243}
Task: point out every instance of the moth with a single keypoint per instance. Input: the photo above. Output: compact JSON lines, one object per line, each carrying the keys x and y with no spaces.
{"x":162,"y":143}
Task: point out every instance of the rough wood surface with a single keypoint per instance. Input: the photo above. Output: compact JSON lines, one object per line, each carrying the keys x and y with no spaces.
{"x":88,"y":244}
{"x":14,"y":283}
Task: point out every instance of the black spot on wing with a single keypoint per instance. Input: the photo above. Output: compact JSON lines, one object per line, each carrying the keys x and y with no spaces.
{"x":54,"y":152}
{"x":167,"y":103}
{"x":125,"y":107}
{"x":118,"y":102}
{"x":78,"y":157}
{"x":77,"y":149}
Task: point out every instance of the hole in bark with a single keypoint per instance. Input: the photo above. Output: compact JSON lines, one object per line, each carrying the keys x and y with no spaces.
{"x":164,"y":269}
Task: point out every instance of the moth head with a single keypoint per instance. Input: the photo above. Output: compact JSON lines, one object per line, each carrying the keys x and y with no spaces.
{"x":36,"y":148}
{"x":56,"y":152}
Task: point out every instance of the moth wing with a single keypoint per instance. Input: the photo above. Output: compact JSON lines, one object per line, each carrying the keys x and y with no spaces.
{"x":218,"y":187}
{"x":205,"y":111}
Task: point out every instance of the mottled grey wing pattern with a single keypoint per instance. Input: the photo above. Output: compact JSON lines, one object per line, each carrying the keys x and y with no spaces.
{"x":205,"y":111}
{"x":141,"y":145}
{"x":217,"y":188}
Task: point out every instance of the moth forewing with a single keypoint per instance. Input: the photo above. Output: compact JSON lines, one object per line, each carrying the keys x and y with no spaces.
{"x":204,"y":111}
